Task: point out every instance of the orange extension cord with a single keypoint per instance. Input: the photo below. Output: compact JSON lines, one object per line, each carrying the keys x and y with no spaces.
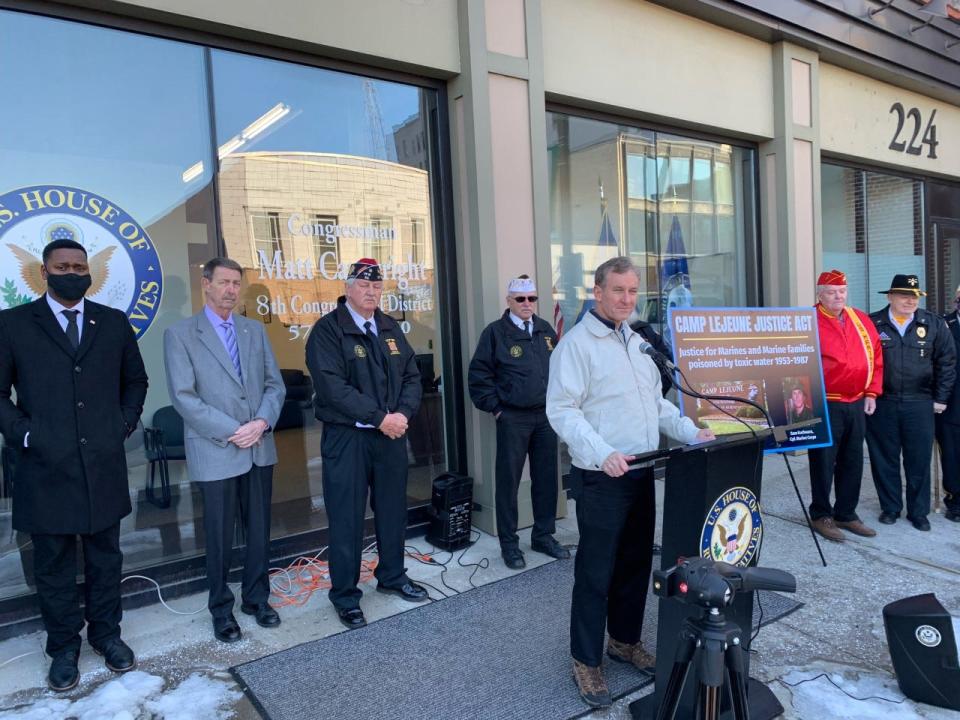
{"x":296,"y":583}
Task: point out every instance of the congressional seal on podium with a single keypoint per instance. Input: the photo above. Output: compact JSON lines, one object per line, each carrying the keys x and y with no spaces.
{"x":733,"y":529}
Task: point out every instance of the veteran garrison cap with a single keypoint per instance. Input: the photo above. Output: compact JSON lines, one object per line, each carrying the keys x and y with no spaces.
{"x":832,"y":277}
{"x":365,"y":269}
{"x":905,"y":284}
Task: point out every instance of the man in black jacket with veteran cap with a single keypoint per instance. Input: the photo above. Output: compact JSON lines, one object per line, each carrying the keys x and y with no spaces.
{"x":919,"y":361}
{"x":80,"y":385}
{"x":508,"y":378}
{"x":367,"y":387}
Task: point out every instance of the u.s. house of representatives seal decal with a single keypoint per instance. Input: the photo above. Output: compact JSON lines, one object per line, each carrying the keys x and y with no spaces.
{"x":927,"y":635}
{"x":733,"y":530}
{"x":124,"y":265}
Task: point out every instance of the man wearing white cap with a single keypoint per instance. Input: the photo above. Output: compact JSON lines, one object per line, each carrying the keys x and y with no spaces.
{"x":508,"y":378}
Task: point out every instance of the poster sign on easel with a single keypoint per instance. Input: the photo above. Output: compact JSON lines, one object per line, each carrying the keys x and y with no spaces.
{"x":769,"y":356}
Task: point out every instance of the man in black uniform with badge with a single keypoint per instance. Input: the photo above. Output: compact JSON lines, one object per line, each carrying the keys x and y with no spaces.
{"x":919,"y":361}
{"x":948,"y":429}
{"x":508,"y":378}
{"x":367,"y":387}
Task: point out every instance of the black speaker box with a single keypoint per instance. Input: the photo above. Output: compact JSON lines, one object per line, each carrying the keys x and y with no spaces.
{"x":452,"y":510}
{"x":923,"y":650}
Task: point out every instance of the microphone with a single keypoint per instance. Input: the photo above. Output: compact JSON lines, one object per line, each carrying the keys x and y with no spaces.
{"x":658,"y":357}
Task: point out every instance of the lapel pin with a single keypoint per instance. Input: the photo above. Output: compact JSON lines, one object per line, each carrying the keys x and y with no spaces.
{"x":93,"y":322}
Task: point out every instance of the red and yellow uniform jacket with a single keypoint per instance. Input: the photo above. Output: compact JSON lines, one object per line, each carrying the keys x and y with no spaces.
{"x":852,"y":355}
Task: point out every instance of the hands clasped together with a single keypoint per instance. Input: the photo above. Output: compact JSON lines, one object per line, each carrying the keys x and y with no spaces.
{"x":394,"y":425}
{"x":249,"y":434}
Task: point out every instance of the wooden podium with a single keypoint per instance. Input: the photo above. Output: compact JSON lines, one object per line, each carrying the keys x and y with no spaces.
{"x":698,"y":477}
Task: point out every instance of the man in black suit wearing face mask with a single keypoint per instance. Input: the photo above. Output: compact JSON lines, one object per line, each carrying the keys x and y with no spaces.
{"x":80,"y":386}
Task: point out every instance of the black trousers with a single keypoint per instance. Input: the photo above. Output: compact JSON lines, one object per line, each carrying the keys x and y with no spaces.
{"x":840,"y":465}
{"x":616,"y":518}
{"x":948,"y":437}
{"x":55,"y":571}
{"x":355,"y":460}
{"x":521,"y":433}
{"x":220,"y":497}
{"x":902,"y":427}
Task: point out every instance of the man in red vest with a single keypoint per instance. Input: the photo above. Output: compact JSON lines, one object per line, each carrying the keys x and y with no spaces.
{"x":852,"y":359}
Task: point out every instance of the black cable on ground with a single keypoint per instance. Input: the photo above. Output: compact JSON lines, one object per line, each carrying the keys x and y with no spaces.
{"x":830,"y":680}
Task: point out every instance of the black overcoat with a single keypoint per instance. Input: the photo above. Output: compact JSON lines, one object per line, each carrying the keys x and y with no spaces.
{"x":78,"y":407}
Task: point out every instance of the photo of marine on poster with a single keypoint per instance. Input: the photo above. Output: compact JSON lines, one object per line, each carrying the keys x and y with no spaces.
{"x":768,"y":356}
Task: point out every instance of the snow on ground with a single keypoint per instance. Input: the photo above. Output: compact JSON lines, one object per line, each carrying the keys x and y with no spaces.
{"x":819,"y":698}
{"x":137,"y":695}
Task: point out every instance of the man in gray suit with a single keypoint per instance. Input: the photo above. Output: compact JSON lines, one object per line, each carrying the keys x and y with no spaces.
{"x":224,"y":382}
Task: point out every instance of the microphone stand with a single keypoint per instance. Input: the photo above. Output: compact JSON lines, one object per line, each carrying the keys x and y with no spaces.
{"x":667,"y":364}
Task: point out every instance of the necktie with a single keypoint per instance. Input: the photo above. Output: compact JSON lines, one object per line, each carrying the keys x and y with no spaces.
{"x":375,"y":344}
{"x":73,"y":331}
{"x":526,"y":327}
{"x":232,"y":348}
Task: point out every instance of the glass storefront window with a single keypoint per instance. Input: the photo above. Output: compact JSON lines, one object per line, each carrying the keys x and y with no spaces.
{"x":873,"y":229}
{"x":128,"y":146}
{"x":895,"y":238}
{"x":324,"y":168}
{"x":313,"y":168}
{"x":678,"y":206}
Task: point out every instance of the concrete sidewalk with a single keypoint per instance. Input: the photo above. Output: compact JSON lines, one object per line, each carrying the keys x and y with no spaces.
{"x":839,"y":630}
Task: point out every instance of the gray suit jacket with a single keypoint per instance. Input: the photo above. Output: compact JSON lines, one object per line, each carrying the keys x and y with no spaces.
{"x":208,"y":394}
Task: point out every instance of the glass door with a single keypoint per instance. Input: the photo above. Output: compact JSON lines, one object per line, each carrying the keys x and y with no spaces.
{"x":946,"y":236}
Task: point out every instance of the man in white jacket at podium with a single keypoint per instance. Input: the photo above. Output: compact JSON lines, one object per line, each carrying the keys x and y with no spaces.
{"x":604,"y":402}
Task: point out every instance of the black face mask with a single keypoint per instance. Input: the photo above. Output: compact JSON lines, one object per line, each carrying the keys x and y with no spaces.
{"x":70,"y":286}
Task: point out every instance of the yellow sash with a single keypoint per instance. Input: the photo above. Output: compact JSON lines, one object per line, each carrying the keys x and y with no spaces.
{"x":865,"y":341}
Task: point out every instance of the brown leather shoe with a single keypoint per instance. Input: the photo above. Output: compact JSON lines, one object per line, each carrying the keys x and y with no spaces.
{"x":856,"y":527}
{"x":591,"y":684}
{"x":627,"y":653}
{"x":828,"y":528}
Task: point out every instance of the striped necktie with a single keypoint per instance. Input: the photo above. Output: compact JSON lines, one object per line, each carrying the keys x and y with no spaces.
{"x":232,"y":349}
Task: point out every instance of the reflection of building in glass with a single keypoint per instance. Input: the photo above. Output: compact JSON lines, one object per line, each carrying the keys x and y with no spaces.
{"x":410,"y":142}
{"x":297,"y":220}
{"x":658,"y":198}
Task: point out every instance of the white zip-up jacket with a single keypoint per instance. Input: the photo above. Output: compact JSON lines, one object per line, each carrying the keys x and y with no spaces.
{"x":604,"y":395}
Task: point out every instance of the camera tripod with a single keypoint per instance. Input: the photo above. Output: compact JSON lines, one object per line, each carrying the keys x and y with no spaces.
{"x":713,"y":645}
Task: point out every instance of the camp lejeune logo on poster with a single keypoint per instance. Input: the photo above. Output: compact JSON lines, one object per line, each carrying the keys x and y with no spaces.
{"x":733,"y":530}
{"x":124,"y":265}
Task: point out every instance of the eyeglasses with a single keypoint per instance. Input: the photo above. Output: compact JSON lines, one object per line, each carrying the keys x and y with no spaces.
{"x":525,"y":298}
{"x":956,"y":301}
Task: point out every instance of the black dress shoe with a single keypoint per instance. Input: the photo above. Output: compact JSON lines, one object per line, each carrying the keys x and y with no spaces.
{"x":921,"y":524}
{"x":64,"y":674}
{"x":409,"y":591}
{"x":265,"y":615}
{"x":550,"y":546}
{"x":352,"y":618}
{"x":117,"y":655}
{"x":952,"y":515}
{"x":225,"y":629}
{"x":513,"y":559}
{"x":888,"y":518}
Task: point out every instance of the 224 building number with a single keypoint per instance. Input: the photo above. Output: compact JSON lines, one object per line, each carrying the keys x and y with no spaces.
{"x":929,"y":137}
